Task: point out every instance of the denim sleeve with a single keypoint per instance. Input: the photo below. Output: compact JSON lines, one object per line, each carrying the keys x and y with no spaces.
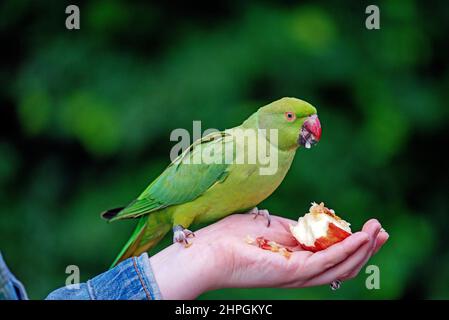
{"x":10,"y":287}
{"x":133,"y":279}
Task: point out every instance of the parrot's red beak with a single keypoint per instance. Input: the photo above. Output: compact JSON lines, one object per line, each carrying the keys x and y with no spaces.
{"x":310,"y":132}
{"x":313,"y":125}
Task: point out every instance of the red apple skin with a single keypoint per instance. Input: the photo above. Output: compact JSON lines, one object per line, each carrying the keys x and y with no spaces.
{"x":334,"y":235}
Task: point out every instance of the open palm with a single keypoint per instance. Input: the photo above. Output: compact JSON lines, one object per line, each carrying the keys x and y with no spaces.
{"x":220,"y":257}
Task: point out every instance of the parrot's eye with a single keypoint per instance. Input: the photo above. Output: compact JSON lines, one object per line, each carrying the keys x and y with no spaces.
{"x":290,"y":116}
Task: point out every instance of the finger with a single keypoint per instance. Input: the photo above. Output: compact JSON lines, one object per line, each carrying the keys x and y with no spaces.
{"x":370,"y":224}
{"x":353,"y":264}
{"x":323,"y":260}
{"x":342,"y":270}
{"x":372,"y":227}
{"x":380,"y":241}
{"x":382,"y":237}
{"x":377,"y":240}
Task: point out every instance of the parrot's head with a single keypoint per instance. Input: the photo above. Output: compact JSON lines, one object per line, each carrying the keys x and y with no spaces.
{"x":296,"y":121}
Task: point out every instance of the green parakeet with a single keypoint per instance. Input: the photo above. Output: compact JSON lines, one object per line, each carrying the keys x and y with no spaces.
{"x":191,"y":191}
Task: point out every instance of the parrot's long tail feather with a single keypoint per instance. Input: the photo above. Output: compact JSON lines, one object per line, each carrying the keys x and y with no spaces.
{"x":147,"y":234}
{"x":111,"y":213}
{"x":130,"y":245}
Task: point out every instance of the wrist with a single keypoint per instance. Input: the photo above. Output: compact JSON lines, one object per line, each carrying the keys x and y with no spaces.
{"x":185,"y":273}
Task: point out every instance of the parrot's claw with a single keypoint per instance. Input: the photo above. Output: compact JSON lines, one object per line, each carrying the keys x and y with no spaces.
{"x":180,"y":234}
{"x":262,"y":212}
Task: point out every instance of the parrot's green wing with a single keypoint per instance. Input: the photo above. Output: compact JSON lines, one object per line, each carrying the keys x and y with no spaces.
{"x":185,"y":179}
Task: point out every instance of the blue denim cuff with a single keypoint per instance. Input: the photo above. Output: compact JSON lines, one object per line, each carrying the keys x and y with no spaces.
{"x":133,"y":279}
{"x":10,"y":287}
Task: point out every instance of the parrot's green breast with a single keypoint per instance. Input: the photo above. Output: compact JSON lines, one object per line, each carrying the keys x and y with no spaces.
{"x":242,"y":190}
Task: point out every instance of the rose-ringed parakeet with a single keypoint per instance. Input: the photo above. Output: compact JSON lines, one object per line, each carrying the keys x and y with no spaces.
{"x":189,"y":191}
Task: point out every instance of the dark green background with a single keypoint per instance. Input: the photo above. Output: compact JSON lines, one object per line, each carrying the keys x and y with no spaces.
{"x":86,"y":117}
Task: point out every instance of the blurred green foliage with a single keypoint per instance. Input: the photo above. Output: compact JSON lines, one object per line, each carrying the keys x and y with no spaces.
{"x":86,"y":117}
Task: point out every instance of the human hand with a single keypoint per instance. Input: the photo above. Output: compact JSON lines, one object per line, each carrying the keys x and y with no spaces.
{"x":219,"y":257}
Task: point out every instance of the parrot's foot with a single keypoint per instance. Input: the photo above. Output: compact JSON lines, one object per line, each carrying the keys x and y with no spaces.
{"x":262,"y":212}
{"x":180,"y":234}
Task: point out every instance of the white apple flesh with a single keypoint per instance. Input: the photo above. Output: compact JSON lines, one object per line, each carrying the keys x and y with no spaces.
{"x":320,"y":228}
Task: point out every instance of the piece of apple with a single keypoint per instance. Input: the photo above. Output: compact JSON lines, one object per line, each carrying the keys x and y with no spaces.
{"x":320,"y":228}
